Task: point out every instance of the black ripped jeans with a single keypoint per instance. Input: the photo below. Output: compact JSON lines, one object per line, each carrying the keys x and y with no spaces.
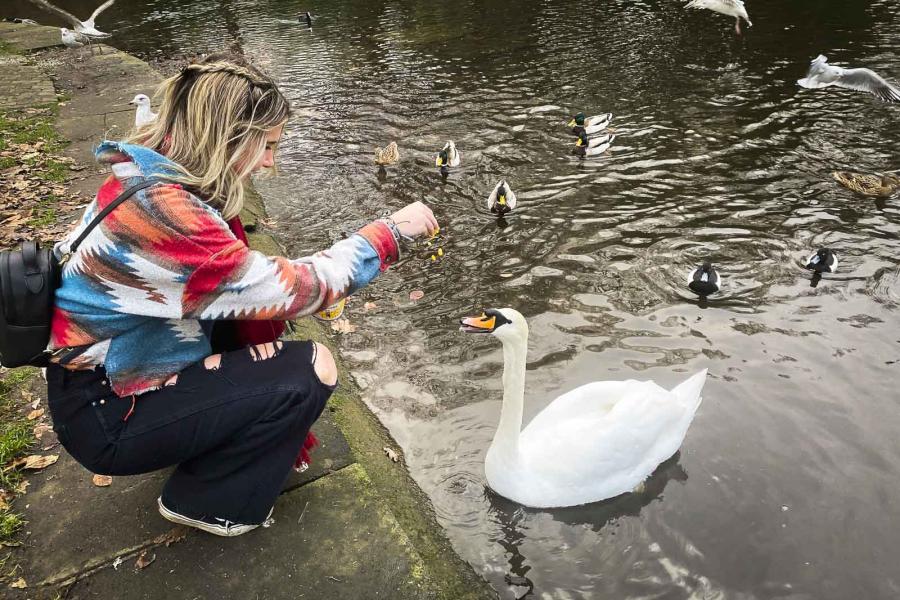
{"x":234,"y":431}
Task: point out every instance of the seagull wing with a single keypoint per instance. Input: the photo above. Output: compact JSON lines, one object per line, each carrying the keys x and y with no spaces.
{"x":728,"y":7}
{"x":866,"y":80}
{"x":100,"y":9}
{"x":57,"y":11}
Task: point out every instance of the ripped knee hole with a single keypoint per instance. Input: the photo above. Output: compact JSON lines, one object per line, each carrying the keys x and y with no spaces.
{"x":265,"y":351}
{"x":324,"y":365}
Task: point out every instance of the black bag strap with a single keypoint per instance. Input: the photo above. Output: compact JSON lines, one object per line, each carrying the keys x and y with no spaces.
{"x":109,"y":208}
{"x":30,"y":257}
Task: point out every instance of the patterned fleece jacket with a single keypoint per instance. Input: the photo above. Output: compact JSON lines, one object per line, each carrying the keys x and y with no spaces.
{"x":136,"y":293}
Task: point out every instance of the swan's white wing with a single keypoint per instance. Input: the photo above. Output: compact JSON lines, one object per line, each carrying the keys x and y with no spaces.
{"x":866,"y":80}
{"x":58,"y":11}
{"x":100,"y":9}
{"x":572,"y":455}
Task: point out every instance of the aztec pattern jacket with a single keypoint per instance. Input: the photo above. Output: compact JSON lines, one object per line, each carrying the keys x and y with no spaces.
{"x":135,"y":295}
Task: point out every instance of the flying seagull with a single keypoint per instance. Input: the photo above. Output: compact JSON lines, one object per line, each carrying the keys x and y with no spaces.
{"x":85,"y":28}
{"x":732,"y":8}
{"x":821,"y":74}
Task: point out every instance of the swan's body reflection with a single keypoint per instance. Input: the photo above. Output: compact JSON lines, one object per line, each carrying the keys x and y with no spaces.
{"x":511,"y":518}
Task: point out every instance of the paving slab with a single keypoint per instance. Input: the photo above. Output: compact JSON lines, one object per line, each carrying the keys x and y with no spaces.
{"x":23,"y":84}
{"x":88,"y":526}
{"x":23,"y":36}
{"x":309,"y":552}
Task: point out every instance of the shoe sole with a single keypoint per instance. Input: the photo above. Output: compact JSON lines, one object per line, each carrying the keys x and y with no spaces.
{"x":220,"y":530}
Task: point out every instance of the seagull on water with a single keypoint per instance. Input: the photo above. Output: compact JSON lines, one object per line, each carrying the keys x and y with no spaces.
{"x":143,"y":115}
{"x":732,"y":8}
{"x":85,"y":28}
{"x":821,"y":74}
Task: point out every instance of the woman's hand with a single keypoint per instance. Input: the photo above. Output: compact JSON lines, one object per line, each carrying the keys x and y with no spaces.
{"x":415,"y":220}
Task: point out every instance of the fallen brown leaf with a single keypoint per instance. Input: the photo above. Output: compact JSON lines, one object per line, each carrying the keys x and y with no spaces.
{"x":35,"y":414}
{"x":369,"y":306}
{"x":173,"y":536}
{"x":40,"y":429}
{"x":144,"y":560}
{"x":36,"y":462}
{"x":416,"y":295}
{"x":19,"y":584}
{"x":343,"y":326}
{"x":101,"y":480}
{"x":391,"y":454}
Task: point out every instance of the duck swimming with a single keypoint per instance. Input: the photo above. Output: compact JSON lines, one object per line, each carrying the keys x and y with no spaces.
{"x":823,"y":261}
{"x":502,"y":199}
{"x":388,"y":155}
{"x":585,"y":146}
{"x":595,"y":442}
{"x":580,"y":124}
{"x":881,"y":186}
{"x":447,"y":157}
{"x":704,"y":280}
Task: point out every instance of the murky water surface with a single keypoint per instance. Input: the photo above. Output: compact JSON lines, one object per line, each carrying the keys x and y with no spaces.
{"x":787,"y":483}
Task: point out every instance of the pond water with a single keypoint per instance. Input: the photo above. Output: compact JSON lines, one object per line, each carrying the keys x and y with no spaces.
{"x":787,"y":483}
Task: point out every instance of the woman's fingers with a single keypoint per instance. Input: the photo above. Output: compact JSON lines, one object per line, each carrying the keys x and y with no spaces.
{"x":415,"y":220}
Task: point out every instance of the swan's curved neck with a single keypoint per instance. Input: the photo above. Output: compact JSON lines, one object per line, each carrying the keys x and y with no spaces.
{"x":506,"y":439}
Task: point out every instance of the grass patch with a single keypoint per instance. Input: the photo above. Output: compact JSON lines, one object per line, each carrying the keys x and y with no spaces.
{"x":8,"y":49}
{"x":16,"y":437}
{"x":20,"y":128}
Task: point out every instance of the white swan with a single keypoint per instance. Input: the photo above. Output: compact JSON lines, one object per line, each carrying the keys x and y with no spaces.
{"x":595,"y":442}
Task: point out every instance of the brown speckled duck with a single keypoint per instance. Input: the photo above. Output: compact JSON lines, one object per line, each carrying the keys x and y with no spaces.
{"x":881,"y":186}
{"x":387,"y":156}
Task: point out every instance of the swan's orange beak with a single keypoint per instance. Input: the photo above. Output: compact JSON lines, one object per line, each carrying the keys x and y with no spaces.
{"x":481,"y":324}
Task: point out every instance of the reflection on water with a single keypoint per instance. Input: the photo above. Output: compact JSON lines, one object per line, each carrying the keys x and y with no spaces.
{"x":793,"y":456}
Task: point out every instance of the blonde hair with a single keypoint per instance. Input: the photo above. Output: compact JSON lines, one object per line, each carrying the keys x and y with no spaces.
{"x":213,"y":123}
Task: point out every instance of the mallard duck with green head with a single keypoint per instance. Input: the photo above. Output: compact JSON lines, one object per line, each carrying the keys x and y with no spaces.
{"x":589,"y":125}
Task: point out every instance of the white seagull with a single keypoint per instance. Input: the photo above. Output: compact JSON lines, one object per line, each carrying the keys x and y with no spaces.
{"x":143,"y":115}
{"x":70,"y":39}
{"x":821,"y":74}
{"x":732,"y":8}
{"x":82,"y":27}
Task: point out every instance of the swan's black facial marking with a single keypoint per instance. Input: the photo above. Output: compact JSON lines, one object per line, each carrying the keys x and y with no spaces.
{"x":498,"y":316}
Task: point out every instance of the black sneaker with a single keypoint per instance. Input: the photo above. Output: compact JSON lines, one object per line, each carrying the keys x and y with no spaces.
{"x":213,"y":525}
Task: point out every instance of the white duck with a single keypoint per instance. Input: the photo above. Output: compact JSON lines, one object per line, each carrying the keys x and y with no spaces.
{"x":143,"y":115}
{"x":589,"y":125}
{"x":585,"y":146}
{"x":595,"y":442}
{"x":502,"y":199}
{"x":447,"y":157}
{"x":732,"y":8}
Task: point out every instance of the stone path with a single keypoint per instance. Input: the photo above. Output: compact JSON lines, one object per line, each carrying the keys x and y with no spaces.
{"x":354,"y":525}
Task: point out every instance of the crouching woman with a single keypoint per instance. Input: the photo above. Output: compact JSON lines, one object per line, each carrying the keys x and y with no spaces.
{"x":156,"y":353}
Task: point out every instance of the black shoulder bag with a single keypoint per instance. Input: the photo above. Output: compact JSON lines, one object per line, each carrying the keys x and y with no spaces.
{"x":29,"y":277}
